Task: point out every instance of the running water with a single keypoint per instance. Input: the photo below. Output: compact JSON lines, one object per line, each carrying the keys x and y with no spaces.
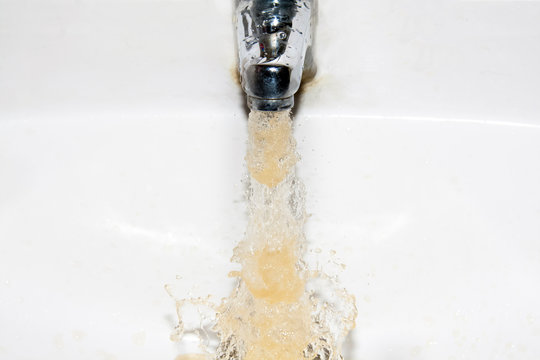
{"x":280,"y":308}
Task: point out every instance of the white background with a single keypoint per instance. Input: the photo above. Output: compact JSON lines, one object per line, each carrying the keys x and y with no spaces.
{"x":122,"y":134}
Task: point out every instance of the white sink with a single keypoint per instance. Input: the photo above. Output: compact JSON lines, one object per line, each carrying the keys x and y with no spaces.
{"x":122,"y":136}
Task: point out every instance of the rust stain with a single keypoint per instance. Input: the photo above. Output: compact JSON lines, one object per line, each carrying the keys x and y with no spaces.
{"x":235,"y":75}
{"x":311,"y":83}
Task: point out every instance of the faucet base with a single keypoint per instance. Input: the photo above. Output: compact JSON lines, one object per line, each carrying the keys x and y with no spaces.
{"x":270,"y":104}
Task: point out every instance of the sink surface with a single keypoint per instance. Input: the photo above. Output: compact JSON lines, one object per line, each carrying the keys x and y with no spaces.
{"x":122,"y":136}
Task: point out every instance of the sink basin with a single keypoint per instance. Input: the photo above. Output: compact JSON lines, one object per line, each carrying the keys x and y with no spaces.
{"x":122,"y":136}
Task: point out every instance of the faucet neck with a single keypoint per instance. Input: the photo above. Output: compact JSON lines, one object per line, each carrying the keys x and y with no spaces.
{"x":273,"y":37}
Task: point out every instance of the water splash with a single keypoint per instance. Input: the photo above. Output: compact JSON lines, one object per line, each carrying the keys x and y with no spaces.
{"x":280,"y":309}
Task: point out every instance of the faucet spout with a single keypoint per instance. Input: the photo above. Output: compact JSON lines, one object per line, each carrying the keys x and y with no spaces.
{"x":274,"y":39}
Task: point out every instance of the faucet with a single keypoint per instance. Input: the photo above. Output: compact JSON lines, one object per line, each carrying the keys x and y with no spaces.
{"x":274,"y":41}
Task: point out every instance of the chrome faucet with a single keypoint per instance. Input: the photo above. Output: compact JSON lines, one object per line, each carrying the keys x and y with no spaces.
{"x":274,"y":39}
